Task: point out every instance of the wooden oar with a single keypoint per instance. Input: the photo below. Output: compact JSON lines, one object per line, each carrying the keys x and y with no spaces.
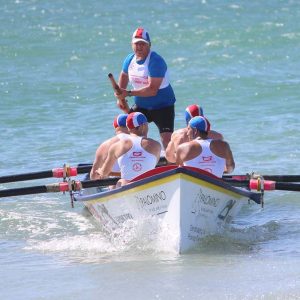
{"x":124,"y":105}
{"x":58,"y":187}
{"x":58,"y":172}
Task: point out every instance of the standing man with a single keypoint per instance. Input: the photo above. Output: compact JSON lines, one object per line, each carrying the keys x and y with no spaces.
{"x":121,"y":132}
{"x":213,"y":156}
{"x":136,"y":154}
{"x":180,"y":135}
{"x":153,"y":94}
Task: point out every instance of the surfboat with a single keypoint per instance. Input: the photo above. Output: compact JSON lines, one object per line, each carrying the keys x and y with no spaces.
{"x":185,"y":204}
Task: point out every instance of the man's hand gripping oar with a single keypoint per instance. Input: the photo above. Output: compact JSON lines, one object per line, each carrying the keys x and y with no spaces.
{"x":122,"y":103}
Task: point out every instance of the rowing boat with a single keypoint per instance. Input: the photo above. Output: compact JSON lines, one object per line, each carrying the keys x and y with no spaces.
{"x":187,"y":203}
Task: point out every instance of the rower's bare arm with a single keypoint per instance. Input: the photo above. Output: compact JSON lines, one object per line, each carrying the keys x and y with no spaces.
{"x":171,"y":152}
{"x":178,"y":137}
{"x":179,"y":155}
{"x":157,"y":150}
{"x":100,"y":156}
{"x":107,"y":166}
{"x":152,"y":88}
{"x":230,"y":164}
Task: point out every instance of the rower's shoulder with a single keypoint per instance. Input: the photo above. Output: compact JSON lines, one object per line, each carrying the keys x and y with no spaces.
{"x":220,"y":146}
{"x":151,"y":145}
{"x":112,"y":140}
{"x":215,"y":135}
{"x":107,"y":143}
{"x":179,"y":133}
{"x":151,"y":141}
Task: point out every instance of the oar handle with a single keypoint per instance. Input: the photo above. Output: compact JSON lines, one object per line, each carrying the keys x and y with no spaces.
{"x":99,"y":182}
{"x":124,"y":105}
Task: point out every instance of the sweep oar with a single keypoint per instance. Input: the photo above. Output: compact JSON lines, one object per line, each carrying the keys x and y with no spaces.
{"x":58,"y":187}
{"x":118,"y":91}
{"x":58,"y":172}
{"x":281,"y":178}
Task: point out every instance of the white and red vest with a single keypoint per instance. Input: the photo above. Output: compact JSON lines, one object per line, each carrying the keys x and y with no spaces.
{"x":121,"y":136}
{"x":207,"y":160}
{"x":138,"y":74}
{"x":136,"y":161}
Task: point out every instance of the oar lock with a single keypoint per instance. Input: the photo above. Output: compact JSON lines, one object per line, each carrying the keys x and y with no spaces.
{"x":64,"y":172}
{"x":257,"y":182}
{"x":67,"y":185}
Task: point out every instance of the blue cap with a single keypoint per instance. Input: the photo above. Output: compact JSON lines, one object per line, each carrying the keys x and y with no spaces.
{"x":135,"y":119}
{"x":200,"y":123}
{"x":120,"y":120}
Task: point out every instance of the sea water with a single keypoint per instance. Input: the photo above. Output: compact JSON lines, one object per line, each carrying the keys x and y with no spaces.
{"x":239,"y":60}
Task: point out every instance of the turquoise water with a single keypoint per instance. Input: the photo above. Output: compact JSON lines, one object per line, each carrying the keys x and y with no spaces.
{"x":239,"y":60}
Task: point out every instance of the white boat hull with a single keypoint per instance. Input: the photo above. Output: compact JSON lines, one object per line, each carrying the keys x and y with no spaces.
{"x":186,"y":206}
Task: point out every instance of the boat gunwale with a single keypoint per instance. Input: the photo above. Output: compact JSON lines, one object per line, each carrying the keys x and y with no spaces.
{"x":256,"y":197}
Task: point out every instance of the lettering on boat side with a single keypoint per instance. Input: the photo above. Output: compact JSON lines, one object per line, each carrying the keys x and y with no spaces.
{"x":150,"y":199}
{"x":198,"y":230}
{"x":122,"y":218}
{"x":207,"y":200}
{"x":196,"y":233}
{"x":101,"y":213}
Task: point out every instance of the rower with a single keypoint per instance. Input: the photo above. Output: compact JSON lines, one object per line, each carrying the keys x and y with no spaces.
{"x":213,"y":156}
{"x":136,"y":154}
{"x":180,"y":135}
{"x":121,"y":132}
